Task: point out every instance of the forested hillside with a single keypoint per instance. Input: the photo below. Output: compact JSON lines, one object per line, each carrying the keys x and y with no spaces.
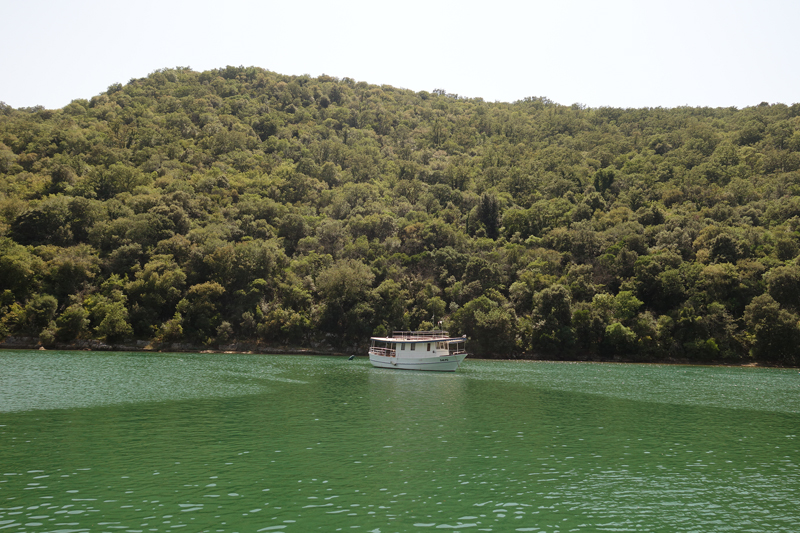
{"x":243,"y":205}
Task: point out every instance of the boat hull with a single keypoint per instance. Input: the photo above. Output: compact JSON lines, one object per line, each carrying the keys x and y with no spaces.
{"x":444,"y":363}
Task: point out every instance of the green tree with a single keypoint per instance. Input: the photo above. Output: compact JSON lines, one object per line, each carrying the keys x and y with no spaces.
{"x":775,"y":331}
{"x":783,"y":284}
{"x":171,"y":330}
{"x":155,"y":292}
{"x":292,"y":228}
{"x":114,"y":325}
{"x":603,"y":179}
{"x":20,"y":270}
{"x":553,"y":332}
{"x":490,"y":327}
{"x":488,"y":213}
{"x":39,"y":311}
{"x":68,"y":270}
{"x":346,"y":287}
{"x":619,"y":339}
{"x":118,"y":178}
{"x":73,"y":323}
{"x":45,"y":223}
{"x":626,"y":305}
{"x":259,"y":182}
{"x":200,"y":310}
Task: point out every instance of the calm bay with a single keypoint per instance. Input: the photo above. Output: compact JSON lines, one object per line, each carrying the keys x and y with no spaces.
{"x":139,"y":442}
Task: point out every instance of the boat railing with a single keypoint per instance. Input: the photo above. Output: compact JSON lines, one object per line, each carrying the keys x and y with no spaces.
{"x":385,"y":352}
{"x":419,"y":335}
{"x":457,"y":348}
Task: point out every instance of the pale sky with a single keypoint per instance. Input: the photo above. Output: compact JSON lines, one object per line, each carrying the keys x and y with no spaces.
{"x":619,"y":53}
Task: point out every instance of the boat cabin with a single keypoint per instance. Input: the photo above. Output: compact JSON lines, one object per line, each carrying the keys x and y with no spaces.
{"x":418,"y":344}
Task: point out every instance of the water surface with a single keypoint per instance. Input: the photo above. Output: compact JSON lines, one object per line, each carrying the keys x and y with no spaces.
{"x":229,"y":442}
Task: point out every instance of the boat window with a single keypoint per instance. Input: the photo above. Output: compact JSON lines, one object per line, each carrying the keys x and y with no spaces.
{"x":429,"y":347}
{"x":413,"y":346}
{"x":402,"y":346}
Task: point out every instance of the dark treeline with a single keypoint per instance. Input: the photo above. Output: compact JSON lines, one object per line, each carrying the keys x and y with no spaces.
{"x":243,"y":205}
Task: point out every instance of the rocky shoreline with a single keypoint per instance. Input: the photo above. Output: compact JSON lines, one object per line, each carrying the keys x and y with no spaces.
{"x":33,"y":343}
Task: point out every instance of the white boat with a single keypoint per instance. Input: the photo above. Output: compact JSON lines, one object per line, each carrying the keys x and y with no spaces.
{"x":418,"y":350}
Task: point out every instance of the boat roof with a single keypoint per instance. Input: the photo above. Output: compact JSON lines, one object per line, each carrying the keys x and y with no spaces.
{"x":420,"y":336}
{"x":419,"y":341}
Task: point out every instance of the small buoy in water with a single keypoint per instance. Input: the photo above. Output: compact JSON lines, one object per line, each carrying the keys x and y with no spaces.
{"x":351,"y":357}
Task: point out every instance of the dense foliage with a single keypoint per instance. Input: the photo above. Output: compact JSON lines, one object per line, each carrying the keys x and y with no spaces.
{"x":239,"y":204}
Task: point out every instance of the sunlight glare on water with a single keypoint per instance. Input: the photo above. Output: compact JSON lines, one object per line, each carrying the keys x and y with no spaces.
{"x":227,"y":442}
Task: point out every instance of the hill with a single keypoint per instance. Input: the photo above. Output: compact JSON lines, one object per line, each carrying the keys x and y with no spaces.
{"x":244,"y":205}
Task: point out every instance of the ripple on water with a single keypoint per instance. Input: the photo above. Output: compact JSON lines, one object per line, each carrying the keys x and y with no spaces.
{"x":324,"y":445}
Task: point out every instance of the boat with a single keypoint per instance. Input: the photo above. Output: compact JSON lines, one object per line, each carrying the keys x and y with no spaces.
{"x":418,"y":350}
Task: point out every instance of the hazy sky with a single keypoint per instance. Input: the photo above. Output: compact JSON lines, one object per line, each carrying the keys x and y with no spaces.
{"x":599,"y":53}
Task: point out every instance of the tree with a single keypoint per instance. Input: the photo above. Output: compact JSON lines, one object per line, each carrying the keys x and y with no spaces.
{"x":775,"y":331}
{"x":603,"y":179}
{"x":783,"y":284}
{"x":619,"y":339}
{"x":346,"y":287}
{"x":114,"y":324}
{"x":156,"y":290}
{"x":200,"y":310}
{"x":332,"y":237}
{"x":553,"y":305}
{"x":39,"y":311}
{"x":118,"y":178}
{"x":488,"y":213}
{"x":46,"y":223}
{"x":490,"y":327}
{"x":390,"y":303}
{"x":667,"y":223}
{"x":552,"y":330}
{"x":284,"y":325}
{"x":108,"y":311}
{"x":68,"y":270}
{"x":72,"y":323}
{"x":626,"y":305}
{"x":20,"y":270}
{"x":725,"y":249}
{"x":171,"y":330}
{"x":292,"y":228}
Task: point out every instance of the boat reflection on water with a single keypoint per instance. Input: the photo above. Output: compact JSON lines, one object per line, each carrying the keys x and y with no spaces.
{"x":402,"y":401}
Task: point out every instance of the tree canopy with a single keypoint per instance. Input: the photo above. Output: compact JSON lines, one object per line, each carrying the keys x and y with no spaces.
{"x":239,"y":204}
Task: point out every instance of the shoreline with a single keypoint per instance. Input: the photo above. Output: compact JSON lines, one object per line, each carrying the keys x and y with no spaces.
{"x":29,"y":343}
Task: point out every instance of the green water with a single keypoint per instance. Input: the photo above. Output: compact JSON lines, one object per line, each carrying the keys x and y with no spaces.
{"x":253,"y":443}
